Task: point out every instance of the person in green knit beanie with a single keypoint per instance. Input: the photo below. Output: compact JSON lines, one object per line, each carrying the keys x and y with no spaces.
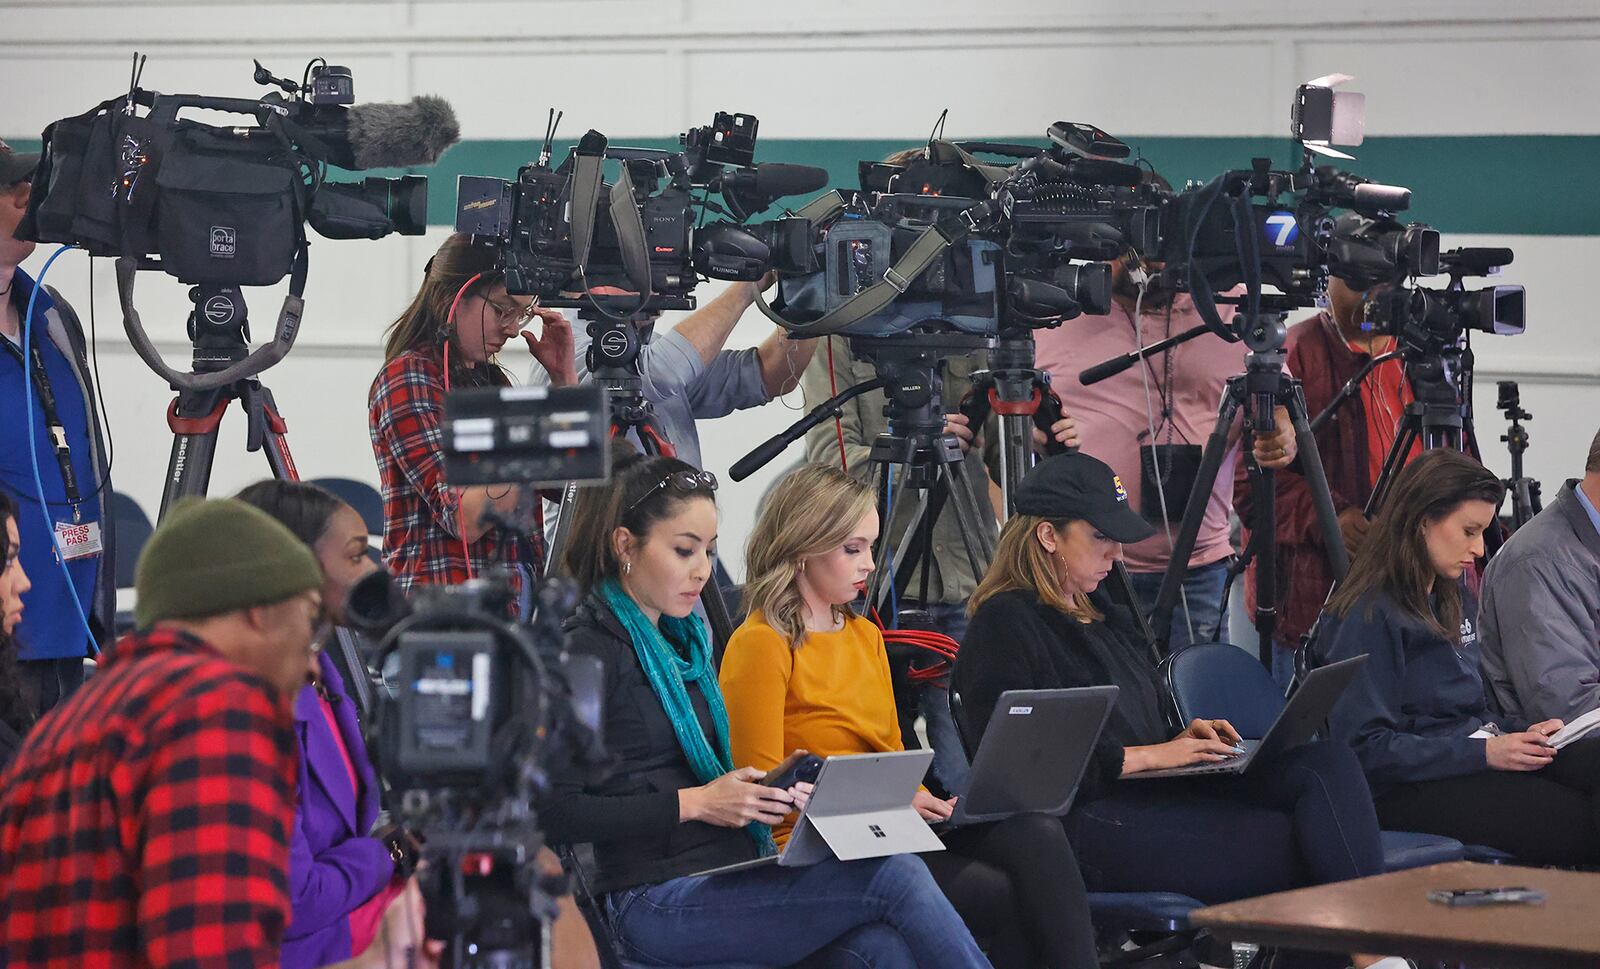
{"x":236,"y":578}
{"x":165,"y":786}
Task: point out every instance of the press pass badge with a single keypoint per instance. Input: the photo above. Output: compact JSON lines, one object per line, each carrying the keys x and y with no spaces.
{"x":77,"y":541}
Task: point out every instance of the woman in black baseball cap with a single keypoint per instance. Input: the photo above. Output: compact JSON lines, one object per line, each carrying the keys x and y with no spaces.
{"x":1040,"y":622}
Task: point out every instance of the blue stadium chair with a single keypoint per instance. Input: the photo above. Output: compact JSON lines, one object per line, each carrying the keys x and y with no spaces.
{"x":1218,"y":680}
{"x":358,"y":495}
{"x":130,"y":529}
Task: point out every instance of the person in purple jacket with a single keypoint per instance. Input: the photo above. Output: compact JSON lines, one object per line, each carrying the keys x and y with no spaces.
{"x":340,"y":876}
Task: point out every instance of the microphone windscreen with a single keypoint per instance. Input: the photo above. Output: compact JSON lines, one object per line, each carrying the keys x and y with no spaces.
{"x":778,"y":179}
{"x":393,"y":135}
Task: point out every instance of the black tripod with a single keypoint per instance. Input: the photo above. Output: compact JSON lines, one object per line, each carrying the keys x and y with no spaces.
{"x":613,"y":362}
{"x":1259,"y":391}
{"x":1523,"y":490}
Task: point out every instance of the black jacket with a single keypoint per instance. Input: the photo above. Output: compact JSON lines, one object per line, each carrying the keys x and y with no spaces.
{"x":1017,"y":642}
{"x":631,"y":816}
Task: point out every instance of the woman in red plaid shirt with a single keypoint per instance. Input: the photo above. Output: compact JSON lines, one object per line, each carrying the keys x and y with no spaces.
{"x":447,"y":340}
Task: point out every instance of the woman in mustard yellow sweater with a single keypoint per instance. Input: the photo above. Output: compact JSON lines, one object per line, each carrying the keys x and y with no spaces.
{"x":804,"y":671}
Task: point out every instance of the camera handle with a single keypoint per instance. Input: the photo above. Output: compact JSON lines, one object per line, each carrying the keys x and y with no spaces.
{"x":223,"y":369}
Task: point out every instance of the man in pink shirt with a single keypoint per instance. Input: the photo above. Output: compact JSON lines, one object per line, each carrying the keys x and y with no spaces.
{"x":1176,"y":394}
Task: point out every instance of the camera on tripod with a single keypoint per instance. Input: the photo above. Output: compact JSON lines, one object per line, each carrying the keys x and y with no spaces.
{"x":557,"y":245}
{"x":483,"y":710}
{"x":227,"y":205}
{"x":1422,"y":316}
{"x":949,"y":242}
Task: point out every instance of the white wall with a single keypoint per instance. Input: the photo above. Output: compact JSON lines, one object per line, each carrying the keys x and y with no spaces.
{"x":830,"y":69}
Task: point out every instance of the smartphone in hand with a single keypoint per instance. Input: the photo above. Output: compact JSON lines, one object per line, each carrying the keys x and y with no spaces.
{"x":798,"y":766}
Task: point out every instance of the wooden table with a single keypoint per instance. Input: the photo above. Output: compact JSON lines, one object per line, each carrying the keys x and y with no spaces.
{"x":1391,"y":914}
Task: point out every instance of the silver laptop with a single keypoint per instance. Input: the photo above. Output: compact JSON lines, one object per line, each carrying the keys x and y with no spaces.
{"x":860,"y":808}
{"x":1034,"y":752}
{"x":1297,"y":722}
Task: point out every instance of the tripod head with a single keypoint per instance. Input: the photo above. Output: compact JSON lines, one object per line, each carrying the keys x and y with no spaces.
{"x":914,"y":395}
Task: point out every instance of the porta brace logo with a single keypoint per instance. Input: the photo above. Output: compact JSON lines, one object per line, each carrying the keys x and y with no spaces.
{"x":224,"y":242}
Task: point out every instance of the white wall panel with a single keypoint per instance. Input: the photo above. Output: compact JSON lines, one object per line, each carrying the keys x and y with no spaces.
{"x":505,"y":94}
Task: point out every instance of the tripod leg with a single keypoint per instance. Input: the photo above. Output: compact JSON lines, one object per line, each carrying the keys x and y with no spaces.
{"x":563,"y":532}
{"x":1016,"y":453}
{"x":1404,"y":438}
{"x":194,"y":445}
{"x":877,"y":590}
{"x":974,"y":537}
{"x":275,"y":434}
{"x":1311,"y":467}
{"x":1194,"y":514}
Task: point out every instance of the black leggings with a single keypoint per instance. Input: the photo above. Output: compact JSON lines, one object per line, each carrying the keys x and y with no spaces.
{"x":1016,"y":883}
{"x":1303,"y":818}
{"x":1544,"y":817}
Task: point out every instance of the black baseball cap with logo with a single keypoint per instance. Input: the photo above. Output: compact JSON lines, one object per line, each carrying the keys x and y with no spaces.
{"x":16,"y":166}
{"x":1076,"y":485}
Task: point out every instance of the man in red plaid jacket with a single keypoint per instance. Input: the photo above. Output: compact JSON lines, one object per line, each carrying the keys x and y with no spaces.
{"x":146,"y":820}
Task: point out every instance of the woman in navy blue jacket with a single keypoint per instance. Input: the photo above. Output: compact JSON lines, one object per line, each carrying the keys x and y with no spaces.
{"x":340,"y":877}
{"x":1435,"y":754}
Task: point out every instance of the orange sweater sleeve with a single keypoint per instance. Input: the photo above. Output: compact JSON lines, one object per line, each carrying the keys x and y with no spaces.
{"x":755,"y":686}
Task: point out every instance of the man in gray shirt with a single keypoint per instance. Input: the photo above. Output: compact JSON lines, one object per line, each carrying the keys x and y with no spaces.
{"x":1540,"y":617}
{"x":687,"y":376}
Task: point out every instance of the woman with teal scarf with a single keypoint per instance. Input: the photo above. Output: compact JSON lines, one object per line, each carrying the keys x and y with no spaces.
{"x":674,"y":803}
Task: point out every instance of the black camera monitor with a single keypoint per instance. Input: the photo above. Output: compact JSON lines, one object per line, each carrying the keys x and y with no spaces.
{"x":544,"y":436}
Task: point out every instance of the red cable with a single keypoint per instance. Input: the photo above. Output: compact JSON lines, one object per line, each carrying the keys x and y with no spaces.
{"x":838,"y":420}
{"x":936,"y":643}
{"x":449,"y":322}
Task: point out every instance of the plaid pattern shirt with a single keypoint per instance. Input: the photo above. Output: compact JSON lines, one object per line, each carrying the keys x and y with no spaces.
{"x":421,"y":514}
{"x":146,"y":821}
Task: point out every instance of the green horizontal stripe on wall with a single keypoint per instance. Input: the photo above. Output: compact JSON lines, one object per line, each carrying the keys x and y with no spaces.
{"x":1511,"y":184}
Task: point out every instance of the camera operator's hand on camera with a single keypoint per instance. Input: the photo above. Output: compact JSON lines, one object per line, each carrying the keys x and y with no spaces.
{"x":1526,"y":751}
{"x":555,"y":348}
{"x":931,"y":808}
{"x":734,"y":800}
{"x":958,"y":425}
{"x":1063,"y":432}
{"x":1276,"y":449}
{"x":399,"y":943}
{"x":1353,"y":525}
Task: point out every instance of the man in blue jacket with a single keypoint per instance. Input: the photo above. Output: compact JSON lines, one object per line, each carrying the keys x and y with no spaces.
{"x":66,"y":530}
{"x":1541,"y":608}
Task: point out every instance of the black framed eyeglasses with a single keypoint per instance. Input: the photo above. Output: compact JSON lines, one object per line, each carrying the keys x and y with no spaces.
{"x":685,"y":481}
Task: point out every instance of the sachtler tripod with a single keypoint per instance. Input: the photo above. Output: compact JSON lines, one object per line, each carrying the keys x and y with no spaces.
{"x":1259,"y":391}
{"x":613,"y":362}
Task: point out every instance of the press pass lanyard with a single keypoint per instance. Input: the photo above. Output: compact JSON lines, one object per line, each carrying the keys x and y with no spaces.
{"x":58,"y":432}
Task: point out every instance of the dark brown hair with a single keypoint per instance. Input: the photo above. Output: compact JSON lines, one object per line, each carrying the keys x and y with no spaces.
{"x":1394,"y":558}
{"x":14,"y":708}
{"x":632,"y":499}
{"x":304,"y":508}
{"x":1593,"y":464}
{"x":423,"y":324}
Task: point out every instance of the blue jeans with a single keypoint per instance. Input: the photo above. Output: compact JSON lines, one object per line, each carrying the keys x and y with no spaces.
{"x":950,"y":764}
{"x":880,"y":913}
{"x":1202,"y":592}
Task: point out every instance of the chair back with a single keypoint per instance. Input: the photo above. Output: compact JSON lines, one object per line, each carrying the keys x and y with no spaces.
{"x":132,"y":529}
{"x":364,"y":498}
{"x":1221,"y":681}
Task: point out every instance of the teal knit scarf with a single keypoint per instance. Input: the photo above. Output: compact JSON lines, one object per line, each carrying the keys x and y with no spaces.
{"x":668,"y":672}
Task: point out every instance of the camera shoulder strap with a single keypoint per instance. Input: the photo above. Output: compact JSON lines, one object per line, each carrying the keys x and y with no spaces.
{"x":928,"y":248}
{"x":588,"y":156}
{"x":623,"y":212}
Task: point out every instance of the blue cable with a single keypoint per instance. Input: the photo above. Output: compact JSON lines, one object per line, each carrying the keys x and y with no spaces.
{"x":33,"y":449}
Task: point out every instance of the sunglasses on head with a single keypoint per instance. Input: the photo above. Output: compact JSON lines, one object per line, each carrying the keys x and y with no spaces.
{"x":685,"y":481}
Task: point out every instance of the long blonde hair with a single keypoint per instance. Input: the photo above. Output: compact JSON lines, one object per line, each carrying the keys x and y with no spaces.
{"x":812,"y":510}
{"x":1020,"y":562}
